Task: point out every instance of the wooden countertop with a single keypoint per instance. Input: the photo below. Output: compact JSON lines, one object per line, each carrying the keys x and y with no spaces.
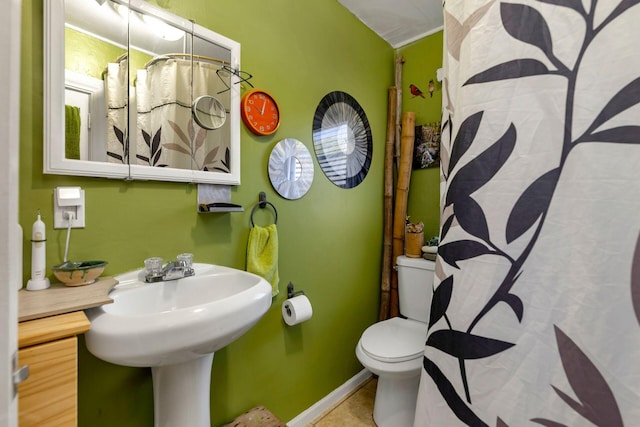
{"x":60,"y":299}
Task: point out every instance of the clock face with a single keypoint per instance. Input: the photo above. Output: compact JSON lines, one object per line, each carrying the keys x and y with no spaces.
{"x":260,"y":112}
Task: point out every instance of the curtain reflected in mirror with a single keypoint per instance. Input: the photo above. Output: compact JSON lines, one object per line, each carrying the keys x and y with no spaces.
{"x":168,"y":135}
{"x":131,"y":84}
{"x":116,"y":83}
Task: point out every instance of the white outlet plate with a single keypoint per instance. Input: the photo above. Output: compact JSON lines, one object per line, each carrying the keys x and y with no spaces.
{"x":68,"y":199}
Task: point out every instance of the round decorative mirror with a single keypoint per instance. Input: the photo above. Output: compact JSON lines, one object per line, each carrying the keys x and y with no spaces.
{"x":342,"y":139}
{"x":291,"y":168}
{"x":208,"y":112}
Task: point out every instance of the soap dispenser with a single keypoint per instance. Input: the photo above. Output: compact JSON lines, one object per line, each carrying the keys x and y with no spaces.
{"x":38,"y":279}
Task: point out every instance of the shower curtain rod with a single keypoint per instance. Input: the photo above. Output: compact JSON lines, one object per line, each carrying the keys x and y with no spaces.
{"x":187,"y":55}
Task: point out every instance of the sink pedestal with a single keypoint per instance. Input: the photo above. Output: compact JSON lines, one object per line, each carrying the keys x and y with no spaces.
{"x":181,"y":393}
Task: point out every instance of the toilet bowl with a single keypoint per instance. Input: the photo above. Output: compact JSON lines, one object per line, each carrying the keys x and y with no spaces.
{"x":393,"y":348}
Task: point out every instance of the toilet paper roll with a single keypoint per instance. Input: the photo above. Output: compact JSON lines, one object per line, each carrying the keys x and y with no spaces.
{"x":296,"y":310}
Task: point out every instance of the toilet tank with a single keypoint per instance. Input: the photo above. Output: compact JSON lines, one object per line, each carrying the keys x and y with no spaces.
{"x":415,"y":287}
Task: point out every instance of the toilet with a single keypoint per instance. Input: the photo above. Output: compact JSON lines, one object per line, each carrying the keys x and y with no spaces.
{"x":393,"y":349}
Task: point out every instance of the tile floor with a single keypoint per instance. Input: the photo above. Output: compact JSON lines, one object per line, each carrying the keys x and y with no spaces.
{"x":355,"y":410}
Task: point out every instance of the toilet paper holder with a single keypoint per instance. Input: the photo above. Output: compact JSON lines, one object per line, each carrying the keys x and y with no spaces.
{"x":290,"y":291}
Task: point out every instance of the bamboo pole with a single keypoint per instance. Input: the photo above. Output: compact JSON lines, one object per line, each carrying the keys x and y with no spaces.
{"x":398,"y":82}
{"x":402,"y":194}
{"x":387,"y":249}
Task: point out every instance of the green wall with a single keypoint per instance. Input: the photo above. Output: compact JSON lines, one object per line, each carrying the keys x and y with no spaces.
{"x":88,"y":55}
{"x":330,"y":240}
{"x":422,"y":59}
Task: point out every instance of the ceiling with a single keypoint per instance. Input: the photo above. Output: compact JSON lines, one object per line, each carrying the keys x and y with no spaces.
{"x":399,"y":22}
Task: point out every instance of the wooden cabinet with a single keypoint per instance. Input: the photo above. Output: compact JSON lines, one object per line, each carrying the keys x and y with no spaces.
{"x":49,"y":396}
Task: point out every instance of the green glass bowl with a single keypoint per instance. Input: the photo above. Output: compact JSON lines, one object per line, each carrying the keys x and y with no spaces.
{"x":78,"y":273}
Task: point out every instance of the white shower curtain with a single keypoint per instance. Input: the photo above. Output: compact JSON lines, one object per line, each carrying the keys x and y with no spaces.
{"x":116,"y":81}
{"x":536,"y":310}
{"x":166,"y":134}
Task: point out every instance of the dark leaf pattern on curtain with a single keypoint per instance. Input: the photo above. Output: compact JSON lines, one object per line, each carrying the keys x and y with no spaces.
{"x":515,"y":303}
{"x":225,"y":162}
{"x":619,"y":10}
{"x":460,"y":250}
{"x":531,"y":205}
{"x":448,"y":392}
{"x":446,"y":226}
{"x":510,"y":70}
{"x":440,"y":301}
{"x":464,"y":345}
{"x":124,"y":142}
{"x":635,"y":280}
{"x":547,"y":423}
{"x":227,"y":159}
{"x":526,"y":24}
{"x":155,"y":148}
{"x":482,"y":168}
{"x":471,"y":218}
{"x":620,"y":135}
{"x":572,"y":4}
{"x":465,"y":136}
{"x":626,"y":98}
{"x":595,"y":400}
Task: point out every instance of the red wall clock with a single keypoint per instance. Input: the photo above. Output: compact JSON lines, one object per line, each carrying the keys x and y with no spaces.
{"x":260,"y":112}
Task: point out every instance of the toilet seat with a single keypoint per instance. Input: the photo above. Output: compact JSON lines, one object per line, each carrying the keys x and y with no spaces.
{"x":394,"y":340}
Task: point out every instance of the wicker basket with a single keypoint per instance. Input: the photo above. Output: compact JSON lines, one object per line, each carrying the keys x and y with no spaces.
{"x":257,"y":417}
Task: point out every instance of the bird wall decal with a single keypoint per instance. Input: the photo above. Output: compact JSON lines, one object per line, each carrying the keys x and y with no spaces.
{"x":415,"y":91}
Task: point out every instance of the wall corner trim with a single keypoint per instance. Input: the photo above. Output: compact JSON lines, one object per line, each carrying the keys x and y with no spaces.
{"x":327,"y":402}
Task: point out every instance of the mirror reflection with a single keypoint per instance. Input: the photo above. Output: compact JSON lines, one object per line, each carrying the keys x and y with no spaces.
{"x":208,"y":112}
{"x":143,"y":89}
{"x":292,"y":168}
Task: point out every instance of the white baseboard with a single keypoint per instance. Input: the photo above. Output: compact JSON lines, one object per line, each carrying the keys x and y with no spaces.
{"x":330,"y":400}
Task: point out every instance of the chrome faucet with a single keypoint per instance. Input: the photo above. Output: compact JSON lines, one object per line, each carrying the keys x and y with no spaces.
{"x":173,"y":270}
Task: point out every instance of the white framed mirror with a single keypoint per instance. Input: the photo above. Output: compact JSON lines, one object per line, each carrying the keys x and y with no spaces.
{"x":120,"y":80}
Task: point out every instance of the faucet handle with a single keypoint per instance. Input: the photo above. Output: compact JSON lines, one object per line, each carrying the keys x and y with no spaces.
{"x":185,"y":260}
{"x":153,"y":265}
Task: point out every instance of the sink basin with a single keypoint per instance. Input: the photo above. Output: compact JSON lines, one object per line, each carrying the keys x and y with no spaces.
{"x":175,"y":327}
{"x":162,"y":323}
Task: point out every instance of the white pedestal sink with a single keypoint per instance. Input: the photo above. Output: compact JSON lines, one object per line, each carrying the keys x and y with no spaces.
{"x":175,"y":327}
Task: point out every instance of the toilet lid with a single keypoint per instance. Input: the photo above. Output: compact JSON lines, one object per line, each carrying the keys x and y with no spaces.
{"x":394,"y":340}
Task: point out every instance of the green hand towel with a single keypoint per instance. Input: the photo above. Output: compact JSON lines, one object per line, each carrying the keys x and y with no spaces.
{"x":262,"y":255}
{"x":72,"y":132}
